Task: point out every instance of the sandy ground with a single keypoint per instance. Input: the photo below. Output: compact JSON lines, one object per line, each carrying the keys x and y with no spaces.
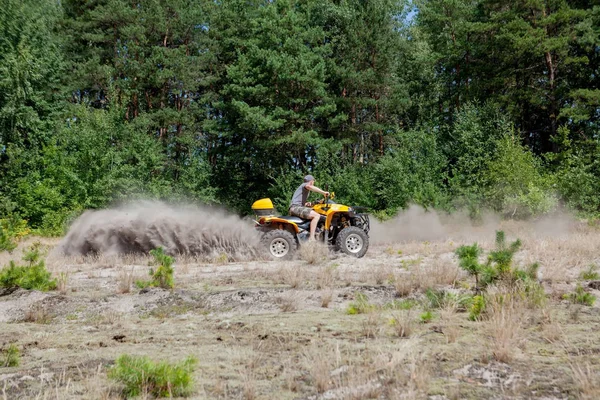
{"x":275,"y":330}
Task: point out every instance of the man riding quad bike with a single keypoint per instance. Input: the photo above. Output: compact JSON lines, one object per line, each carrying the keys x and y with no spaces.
{"x":344,"y":228}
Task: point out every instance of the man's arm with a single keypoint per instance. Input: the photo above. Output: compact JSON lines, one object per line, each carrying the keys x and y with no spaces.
{"x":317,"y":190}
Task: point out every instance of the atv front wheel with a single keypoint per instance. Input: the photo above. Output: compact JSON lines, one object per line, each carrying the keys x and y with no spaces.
{"x":353,"y":241}
{"x":279,"y":244}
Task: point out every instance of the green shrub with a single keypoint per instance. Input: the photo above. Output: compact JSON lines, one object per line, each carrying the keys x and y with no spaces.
{"x":160,"y":379}
{"x":590,"y":274}
{"x":12,"y":229}
{"x":361,"y":305}
{"x":477,"y":308}
{"x":32,"y":277}
{"x":426,"y":317}
{"x":578,"y":173}
{"x":580,"y":296}
{"x":468,"y":259}
{"x":498,"y":264}
{"x":515,"y":185}
{"x":162,"y":276}
{"x":442,"y":298}
{"x":405,"y":304}
{"x":11,"y":356}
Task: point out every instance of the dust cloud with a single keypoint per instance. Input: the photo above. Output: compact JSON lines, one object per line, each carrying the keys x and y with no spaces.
{"x":418,"y":224}
{"x":142,"y":226}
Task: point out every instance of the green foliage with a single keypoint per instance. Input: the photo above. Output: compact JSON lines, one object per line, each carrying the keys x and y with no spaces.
{"x":12,"y":229}
{"x":516,"y":186}
{"x":11,"y":356}
{"x":140,"y":375}
{"x":468,"y":259}
{"x":411,"y":172}
{"x":590,"y":274}
{"x":360,"y":305}
{"x":442,"y":298}
{"x":404,"y":304}
{"x":426,"y":317}
{"x":163,"y":275}
{"x":498,"y":264}
{"x":34,"y":276}
{"x":580,"y":296}
{"x":477,"y":308}
{"x":469,"y":105}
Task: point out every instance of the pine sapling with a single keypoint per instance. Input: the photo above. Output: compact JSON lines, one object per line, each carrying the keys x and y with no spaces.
{"x":163,"y":276}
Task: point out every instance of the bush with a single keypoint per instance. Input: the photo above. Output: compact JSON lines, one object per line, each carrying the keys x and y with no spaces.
{"x":11,"y":355}
{"x":141,"y":375}
{"x":12,"y":229}
{"x":32,"y":277}
{"x":442,"y":298}
{"x":477,"y":308}
{"x":163,"y":275}
{"x":515,"y":185}
{"x":498,"y":265}
{"x":580,"y":296}
{"x":412,"y":172}
{"x":361,"y":305}
{"x":498,"y":268}
{"x":426,"y":317}
{"x":578,"y":173}
{"x":472,"y":139}
{"x":590,"y":274}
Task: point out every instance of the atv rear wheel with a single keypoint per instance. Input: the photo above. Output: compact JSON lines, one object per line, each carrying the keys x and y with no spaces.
{"x":279,"y":244}
{"x":352,"y":241}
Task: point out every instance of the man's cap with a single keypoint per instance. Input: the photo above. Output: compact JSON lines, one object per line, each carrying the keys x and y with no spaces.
{"x":309,"y":178}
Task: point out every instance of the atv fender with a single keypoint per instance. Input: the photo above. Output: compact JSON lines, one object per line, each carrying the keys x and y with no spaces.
{"x":277,"y":220}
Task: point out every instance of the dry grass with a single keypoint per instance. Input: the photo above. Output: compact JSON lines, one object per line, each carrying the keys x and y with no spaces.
{"x":562,"y":258}
{"x":450,"y":327}
{"x":288,"y":302}
{"x":587,"y":380}
{"x":313,"y":252}
{"x":404,"y":284}
{"x":62,"y":281}
{"x":381,"y":274}
{"x":326,"y":296}
{"x":125,"y":279}
{"x":442,"y":272}
{"x":327,"y":276}
{"x":249,"y":384}
{"x":403,"y":323}
{"x":419,"y":374}
{"x":111,"y":317}
{"x":506,"y":318}
{"x":39,"y":314}
{"x":371,"y":325}
{"x":551,"y":330}
{"x":291,"y":275}
{"x":319,"y":363}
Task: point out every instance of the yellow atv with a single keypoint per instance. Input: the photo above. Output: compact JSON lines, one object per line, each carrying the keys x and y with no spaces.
{"x":344,"y":228}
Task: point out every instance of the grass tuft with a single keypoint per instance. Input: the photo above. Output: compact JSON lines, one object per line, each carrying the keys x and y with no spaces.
{"x":11,"y":356}
{"x":141,"y":376}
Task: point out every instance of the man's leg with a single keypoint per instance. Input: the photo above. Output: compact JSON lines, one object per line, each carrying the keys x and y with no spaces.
{"x":313,"y":224}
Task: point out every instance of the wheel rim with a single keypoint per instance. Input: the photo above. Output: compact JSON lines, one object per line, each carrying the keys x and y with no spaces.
{"x":354,"y":243}
{"x":279,"y":247}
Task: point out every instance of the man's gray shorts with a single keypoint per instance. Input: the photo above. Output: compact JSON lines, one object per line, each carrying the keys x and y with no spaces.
{"x":299,"y":211}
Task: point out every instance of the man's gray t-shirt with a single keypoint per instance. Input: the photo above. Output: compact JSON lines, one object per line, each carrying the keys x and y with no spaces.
{"x":300,"y":195}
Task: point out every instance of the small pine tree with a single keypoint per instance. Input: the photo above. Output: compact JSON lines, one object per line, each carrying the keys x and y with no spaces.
{"x":163,"y":275}
{"x":468,"y":259}
{"x":32,"y":277}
